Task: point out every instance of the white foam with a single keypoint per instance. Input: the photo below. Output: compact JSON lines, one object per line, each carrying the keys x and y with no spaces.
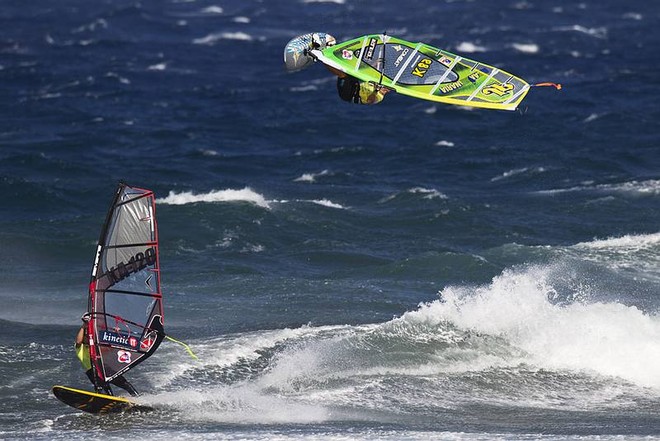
{"x":229,"y":350}
{"x":241,"y":19}
{"x":526,"y":48}
{"x":634,"y":255}
{"x":444,"y":143}
{"x":305,"y":88}
{"x":650,"y":187}
{"x":592,"y":117}
{"x":633,"y":16}
{"x":625,"y":243}
{"x":251,"y":401}
{"x":99,"y":23}
{"x":209,"y":152}
{"x":518,"y":171}
{"x":313,"y":372}
{"x":429,"y":193}
{"x":312,"y":359}
{"x":609,"y":339}
{"x":327,"y":203}
{"x":324,"y":202}
{"x":121,"y":79}
{"x":469,"y":48}
{"x":600,"y":32}
{"x":244,"y":403}
{"x":215,"y":37}
{"x":213,"y":10}
{"x":311,"y":177}
{"x":159,"y":66}
{"x":634,"y":188}
{"x":187,"y":197}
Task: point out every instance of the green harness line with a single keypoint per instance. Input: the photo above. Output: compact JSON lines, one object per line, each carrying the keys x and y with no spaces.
{"x":174,"y":340}
{"x":117,"y":318}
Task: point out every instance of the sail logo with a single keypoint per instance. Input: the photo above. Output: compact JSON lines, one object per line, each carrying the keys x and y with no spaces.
{"x":114,"y":338}
{"x":451,"y":86}
{"x":498,"y":89}
{"x":123,"y":357}
{"x":473,"y":77}
{"x":422,"y":67}
{"x":135,"y":264}
{"x":370,"y":49}
{"x":446,"y":61}
{"x":146,"y":344}
{"x":401,"y":57}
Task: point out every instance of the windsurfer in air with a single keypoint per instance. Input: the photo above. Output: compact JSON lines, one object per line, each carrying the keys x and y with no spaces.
{"x":82,"y":351}
{"x":352,"y":90}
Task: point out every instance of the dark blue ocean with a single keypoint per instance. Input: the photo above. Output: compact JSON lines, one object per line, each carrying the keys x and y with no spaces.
{"x":406,"y":271}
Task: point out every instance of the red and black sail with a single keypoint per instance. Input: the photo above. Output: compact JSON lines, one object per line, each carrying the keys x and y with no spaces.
{"x":125,"y":300}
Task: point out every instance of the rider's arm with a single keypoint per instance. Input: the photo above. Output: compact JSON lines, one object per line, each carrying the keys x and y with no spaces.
{"x":80,"y":336}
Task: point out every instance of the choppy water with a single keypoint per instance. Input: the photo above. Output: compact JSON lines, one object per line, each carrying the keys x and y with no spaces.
{"x":405,"y":271}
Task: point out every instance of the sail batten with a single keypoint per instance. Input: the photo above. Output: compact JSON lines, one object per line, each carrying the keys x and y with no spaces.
{"x":131,"y":293}
{"x":481,"y":86}
{"x":125,"y":299}
{"x":109,"y":247}
{"x":406,"y":63}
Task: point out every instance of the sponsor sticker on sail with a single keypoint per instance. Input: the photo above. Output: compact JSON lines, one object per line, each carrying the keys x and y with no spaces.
{"x":123,"y":357}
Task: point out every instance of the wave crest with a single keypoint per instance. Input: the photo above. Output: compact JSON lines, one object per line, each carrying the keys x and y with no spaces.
{"x":187,"y":197}
{"x":610,"y":339}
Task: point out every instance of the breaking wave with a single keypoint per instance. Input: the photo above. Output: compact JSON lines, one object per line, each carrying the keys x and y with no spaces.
{"x":608,"y":339}
{"x":188,"y":197}
{"x":639,"y":188}
{"x":511,"y":341}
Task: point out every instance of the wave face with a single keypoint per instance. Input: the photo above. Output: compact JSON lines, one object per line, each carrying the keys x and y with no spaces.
{"x":403,"y":271}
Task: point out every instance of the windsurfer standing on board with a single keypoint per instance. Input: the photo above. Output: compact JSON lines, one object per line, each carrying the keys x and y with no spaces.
{"x":82,"y":351}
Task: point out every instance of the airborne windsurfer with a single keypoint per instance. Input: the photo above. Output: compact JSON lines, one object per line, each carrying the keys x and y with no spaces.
{"x":351,"y":89}
{"x":300,"y":53}
{"x":359,"y":92}
{"x":82,"y":351}
{"x":373,"y":65}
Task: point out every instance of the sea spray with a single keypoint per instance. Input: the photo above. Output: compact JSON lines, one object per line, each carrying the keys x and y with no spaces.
{"x":188,"y":197}
{"x":603,"y":338}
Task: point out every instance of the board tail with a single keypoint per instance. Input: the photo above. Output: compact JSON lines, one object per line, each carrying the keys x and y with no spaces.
{"x":95,"y":403}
